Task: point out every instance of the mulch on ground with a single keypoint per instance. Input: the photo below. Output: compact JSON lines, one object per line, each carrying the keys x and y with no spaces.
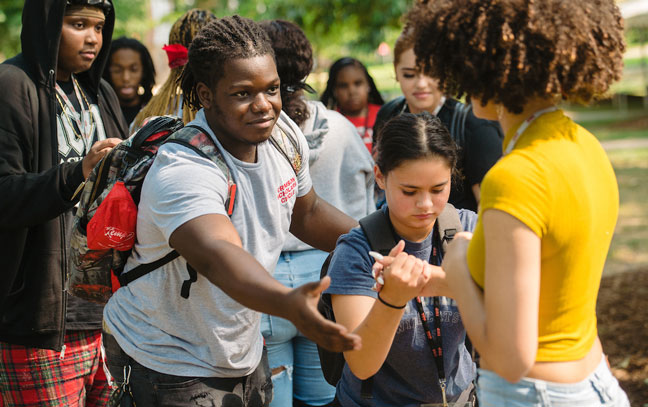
{"x":623,"y":327}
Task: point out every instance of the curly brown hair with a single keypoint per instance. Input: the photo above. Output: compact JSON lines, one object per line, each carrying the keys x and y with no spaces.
{"x":511,"y":51}
{"x":404,"y":42}
{"x":294,"y":57}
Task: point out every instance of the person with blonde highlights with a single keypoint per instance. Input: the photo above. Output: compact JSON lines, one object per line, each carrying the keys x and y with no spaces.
{"x":168,"y":99}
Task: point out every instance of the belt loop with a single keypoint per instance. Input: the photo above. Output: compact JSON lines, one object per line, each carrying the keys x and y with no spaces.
{"x":541,"y":390}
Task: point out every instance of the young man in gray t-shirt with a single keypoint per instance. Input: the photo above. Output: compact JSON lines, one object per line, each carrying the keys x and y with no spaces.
{"x":208,"y":347}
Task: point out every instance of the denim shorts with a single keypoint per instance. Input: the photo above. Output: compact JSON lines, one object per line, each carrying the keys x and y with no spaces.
{"x":599,"y":389}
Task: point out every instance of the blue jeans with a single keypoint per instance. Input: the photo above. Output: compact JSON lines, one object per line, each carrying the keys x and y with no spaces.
{"x":301,"y":377}
{"x":599,"y":389}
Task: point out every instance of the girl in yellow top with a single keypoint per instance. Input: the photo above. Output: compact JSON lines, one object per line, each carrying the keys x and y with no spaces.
{"x":527,"y":282}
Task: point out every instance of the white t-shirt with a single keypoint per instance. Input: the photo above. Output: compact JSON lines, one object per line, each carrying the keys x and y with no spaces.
{"x":209,"y":334}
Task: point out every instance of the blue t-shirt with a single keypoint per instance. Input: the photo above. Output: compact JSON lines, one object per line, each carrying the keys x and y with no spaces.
{"x":409,"y":375}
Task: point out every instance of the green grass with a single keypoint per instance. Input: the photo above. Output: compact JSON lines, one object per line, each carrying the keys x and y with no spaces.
{"x":634,"y":62}
{"x":606,"y":134}
{"x":629,"y":249}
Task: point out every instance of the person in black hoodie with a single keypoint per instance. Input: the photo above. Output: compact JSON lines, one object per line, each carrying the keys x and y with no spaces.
{"x":58,"y":118}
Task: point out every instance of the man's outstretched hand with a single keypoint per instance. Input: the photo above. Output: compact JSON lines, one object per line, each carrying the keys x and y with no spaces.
{"x":313,"y":325}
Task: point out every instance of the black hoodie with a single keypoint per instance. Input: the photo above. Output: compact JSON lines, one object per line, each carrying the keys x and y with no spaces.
{"x":35,"y":190}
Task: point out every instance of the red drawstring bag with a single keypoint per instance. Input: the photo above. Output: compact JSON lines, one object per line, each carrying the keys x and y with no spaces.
{"x":113,"y":225}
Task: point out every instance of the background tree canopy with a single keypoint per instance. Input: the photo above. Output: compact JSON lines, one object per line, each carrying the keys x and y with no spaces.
{"x":332,"y":25}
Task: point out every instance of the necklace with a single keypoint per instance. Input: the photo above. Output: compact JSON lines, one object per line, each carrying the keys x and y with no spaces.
{"x":84,"y":121}
{"x":526,"y":124}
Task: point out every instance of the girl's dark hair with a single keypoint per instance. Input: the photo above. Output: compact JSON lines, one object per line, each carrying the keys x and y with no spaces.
{"x":412,"y":136}
{"x":511,"y":51}
{"x":148,"y":69}
{"x":219,"y":41}
{"x":294,"y":57}
{"x":328,"y":97}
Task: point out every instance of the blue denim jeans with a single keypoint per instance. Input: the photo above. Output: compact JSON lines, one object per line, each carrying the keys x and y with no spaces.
{"x":301,"y":377}
{"x":599,"y":389}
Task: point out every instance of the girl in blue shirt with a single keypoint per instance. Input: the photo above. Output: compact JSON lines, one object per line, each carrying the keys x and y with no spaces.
{"x":415,"y":163}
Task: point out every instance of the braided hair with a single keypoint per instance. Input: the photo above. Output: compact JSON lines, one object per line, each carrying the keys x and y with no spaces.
{"x":167,"y":100}
{"x":294,"y":57}
{"x":148,"y":69}
{"x":219,"y":41}
{"x":328,"y":97}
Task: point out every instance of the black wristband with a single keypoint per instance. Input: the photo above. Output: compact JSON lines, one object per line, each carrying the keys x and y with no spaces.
{"x":390,"y":305}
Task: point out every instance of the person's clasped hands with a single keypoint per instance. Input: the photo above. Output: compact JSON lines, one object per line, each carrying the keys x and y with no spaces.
{"x":432,"y":280}
{"x":399,"y":276}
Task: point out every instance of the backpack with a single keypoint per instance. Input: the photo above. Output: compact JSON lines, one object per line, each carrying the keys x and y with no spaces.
{"x":378,"y":230}
{"x":458,"y":123}
{"x":103,"y":231}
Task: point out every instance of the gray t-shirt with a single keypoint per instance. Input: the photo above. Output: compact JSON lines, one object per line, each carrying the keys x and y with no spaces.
{"x":209,"y":334}
{"x":340,"y":165}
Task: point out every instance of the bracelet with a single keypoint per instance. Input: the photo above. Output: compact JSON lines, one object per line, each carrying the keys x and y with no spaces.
{"x":390,"y":305}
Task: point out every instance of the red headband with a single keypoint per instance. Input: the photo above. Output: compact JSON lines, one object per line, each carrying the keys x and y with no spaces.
{"x":177,"y":53}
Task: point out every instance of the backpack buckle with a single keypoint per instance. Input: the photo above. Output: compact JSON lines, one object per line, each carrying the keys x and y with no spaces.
{"x":449,"y":234}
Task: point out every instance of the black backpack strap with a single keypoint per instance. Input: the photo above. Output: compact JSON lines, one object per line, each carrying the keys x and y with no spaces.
{"x":458,"y":123}
{"x":144,"y":269}
{"x":377,"y":228}
{"x":448,"y":224}
{"x":366,"y":388}
{"x":186,"y":285}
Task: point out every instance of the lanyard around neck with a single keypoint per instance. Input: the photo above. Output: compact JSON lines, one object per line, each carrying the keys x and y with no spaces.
{"x":83,"y":119}
{"x":434,"y":341}
{"x":526,"y":124}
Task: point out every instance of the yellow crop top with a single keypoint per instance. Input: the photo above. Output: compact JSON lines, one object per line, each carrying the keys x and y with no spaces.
{"x":559,"y":182}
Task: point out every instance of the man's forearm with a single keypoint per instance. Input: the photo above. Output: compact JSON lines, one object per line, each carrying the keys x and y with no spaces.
{"x":322,"y":226}
{"x":239,"y":274}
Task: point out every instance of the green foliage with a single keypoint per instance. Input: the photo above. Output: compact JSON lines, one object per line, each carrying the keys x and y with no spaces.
{"x":10,"y":25}
{"x":637,"y":35}
{"x":131,"y":19}
{"x":335,"y":27}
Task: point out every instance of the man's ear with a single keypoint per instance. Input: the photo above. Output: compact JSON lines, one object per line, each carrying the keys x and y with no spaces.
{"x":205,"y":95}
{"x":380,"y":177}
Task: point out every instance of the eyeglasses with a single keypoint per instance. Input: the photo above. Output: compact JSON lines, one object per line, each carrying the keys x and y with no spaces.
{"x":106,"y":5}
